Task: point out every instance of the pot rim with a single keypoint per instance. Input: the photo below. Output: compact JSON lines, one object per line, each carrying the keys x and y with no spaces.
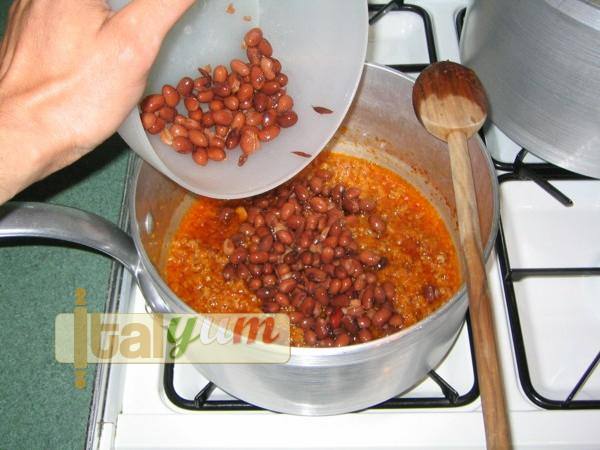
{"x":308,"y":353}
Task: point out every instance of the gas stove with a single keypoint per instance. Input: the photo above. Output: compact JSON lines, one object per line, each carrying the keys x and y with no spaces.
{"x":544,"y":280}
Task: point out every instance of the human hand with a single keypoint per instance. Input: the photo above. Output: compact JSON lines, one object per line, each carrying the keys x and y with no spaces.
{"x":70,"y":72}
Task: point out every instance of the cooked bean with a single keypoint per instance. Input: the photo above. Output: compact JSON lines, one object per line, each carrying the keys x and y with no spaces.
{"x":234,"y":82}
{"x":389,"y":290}
{"x":238,"y":256}
{"x":191,"y":104}
{"x":396,"y":321}
{"x":220,"y":74}
{"x":271,"y":307}
{"x":240,"y":67}
{"x":257,"y":78}
{"x":285,"y":104}
{"x":179,"y":130}
{"x":253,"y":55}
{"x":369,"y":258}
{"x":287,"y":119}
{"x":239,"y":120}
{"x":191,"y":124}
{"x":351,"y":205}
{"x":255,"y":269}
{"x":152,"y":103}
{"x":367,"y":205}
{"x":295,"y":221}
{"x":266,"y":65}
{"x":336,"y":318}
{"x":255,"y":284}
{"x":363,"y":322}
{"x":216,"y":153}
{"x":310,"y":338}
{"x":307,"y":306}
{"x":342,"y":340}
{"x":260,"y":102}
{"x":222,"y":90}
{"x":249,"y":142}
{"x":167,"y":113}
{"x":270,"y":87}
{"x":285,"y":237}
{"x":287,"y":210}
{"x":259,"y":257}
{"x":182,"y":144}
{"x":228,"y":272}
{"x":253,"y":37}
{"x":233,"y":139}
{"x":282,"y":79}
{"x":245,"y":105}
{"x":269,"y":280}
{"x":185,"y":86}
{"x":319,"y":204}
{"x":223,"y":117}
{"x":364,"y":335}
{"x":166,"y":136}
{"x":327,"y":255}
{"x":296,"y":317}
{"x":341,"y":301}
{"x":221,"y":131}
{"x":198,"y":138}
{"x":379,"y":294}
{"x":265,"y":293}
{"x":232,"y":103}
{"x":148,"y":120}
{"x":377,"y":224}
{"x":381,"y":317}
{"x":205,"y":96}
{"x":170,"y":95}
{"x":200,"y":156}
{"x":265,"y":47}
{"x":266,"y":243}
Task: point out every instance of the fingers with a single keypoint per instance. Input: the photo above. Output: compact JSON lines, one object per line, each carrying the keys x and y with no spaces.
{"x":154,"y":16}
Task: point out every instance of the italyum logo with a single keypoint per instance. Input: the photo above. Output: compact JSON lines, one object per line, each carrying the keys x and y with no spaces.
{"x":82,"y":338}
{"x":245,"y":330}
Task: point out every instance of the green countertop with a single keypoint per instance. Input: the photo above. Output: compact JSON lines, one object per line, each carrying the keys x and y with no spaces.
{"x":40,"y":408}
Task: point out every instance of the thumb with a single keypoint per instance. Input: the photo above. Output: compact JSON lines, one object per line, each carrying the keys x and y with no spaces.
{"x":155,"y":16}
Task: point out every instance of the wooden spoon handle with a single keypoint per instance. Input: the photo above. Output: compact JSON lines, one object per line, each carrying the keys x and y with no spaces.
{"x":486,"y":354}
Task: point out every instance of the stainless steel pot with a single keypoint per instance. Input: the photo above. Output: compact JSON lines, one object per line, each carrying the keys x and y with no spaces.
{"x":380,"y":126}
{"x":539,"y":61}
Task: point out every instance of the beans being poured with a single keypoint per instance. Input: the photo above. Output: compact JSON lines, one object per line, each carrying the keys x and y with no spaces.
{"x":294,"y":249}
{"x":242,"y":106}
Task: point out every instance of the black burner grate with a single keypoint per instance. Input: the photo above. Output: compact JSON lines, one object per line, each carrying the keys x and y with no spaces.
{"x":449,"y":397}
{"x":378,"y":11}
{"x":541,"y":174}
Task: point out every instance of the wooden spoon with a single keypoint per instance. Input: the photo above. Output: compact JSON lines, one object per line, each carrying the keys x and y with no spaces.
{"x":450,"y":102}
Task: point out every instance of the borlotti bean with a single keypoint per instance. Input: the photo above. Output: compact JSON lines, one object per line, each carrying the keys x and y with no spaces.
{"x":243,"y":105}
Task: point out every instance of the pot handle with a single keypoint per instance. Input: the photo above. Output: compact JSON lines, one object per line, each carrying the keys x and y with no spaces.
{"x":22,"y":219}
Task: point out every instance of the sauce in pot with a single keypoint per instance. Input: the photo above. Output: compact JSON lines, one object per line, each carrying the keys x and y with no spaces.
{"x":421,"y":261}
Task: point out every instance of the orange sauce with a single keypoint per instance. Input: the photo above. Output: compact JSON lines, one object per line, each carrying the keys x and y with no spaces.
{"x":418,"y":246}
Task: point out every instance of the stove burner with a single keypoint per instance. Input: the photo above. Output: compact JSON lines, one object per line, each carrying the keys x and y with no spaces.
{"x":540,"y":174}
{"x":399,"y":6}
{"x":449,"y":396}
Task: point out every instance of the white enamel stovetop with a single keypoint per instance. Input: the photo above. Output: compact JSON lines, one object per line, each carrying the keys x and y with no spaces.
{"x":130,"y":409}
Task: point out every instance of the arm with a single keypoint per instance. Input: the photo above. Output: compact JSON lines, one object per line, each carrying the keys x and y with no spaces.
{"x":70,"y":72}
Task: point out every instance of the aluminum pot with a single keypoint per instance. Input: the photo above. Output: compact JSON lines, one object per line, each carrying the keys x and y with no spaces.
{"x":539,"y":61}
{"x":380,"y":126}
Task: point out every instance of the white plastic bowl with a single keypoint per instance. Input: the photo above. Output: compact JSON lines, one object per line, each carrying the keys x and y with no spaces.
{"x":321,"y":45}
